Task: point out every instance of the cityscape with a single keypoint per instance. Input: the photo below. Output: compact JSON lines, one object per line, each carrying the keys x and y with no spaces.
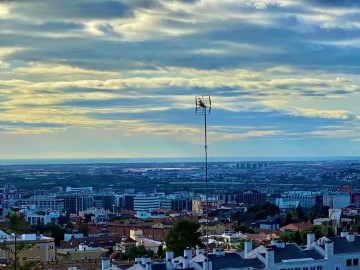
{"x":260,"y":214}
{"x":179,"y":134}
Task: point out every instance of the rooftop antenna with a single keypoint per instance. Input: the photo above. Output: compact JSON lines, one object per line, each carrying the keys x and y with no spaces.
{"x":203,"y":107}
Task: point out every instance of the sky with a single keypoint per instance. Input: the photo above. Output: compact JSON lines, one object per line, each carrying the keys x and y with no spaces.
{"x":118,"y":79}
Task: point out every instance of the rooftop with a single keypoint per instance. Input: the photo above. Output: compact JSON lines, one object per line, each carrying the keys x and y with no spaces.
{"x":342,"y":245}
{"x":234,"y":260}
{"x":294,"y":252}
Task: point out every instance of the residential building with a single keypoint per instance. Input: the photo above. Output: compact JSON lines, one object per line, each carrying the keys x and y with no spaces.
{"x":43,"y":203}
{"x":336,"y":199}
{"x":41,"y":248}
{"x":42,"y":217}
{"x":199,"y":206}
{"x":83,"y":252}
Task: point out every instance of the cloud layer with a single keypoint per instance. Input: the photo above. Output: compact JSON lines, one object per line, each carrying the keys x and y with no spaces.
{"x":283,"y":77}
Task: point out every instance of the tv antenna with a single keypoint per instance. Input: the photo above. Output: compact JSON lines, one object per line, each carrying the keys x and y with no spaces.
{"x":203,"y":107}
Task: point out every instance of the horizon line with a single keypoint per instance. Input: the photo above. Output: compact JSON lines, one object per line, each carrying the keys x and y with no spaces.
{"x":112,"y":160}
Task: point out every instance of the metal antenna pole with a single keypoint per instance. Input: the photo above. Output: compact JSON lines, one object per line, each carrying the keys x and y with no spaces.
{"x":206,"y":184}
{"x":203,"y":106}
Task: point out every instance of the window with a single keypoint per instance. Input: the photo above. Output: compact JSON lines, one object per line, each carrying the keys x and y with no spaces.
{"x":356,"y":262}
{"x":31,"y":258}
{"x":319,"y":268}
{"x":38,"y":258}
{"x":38,"y":248}
{"x":337,"y":268}
{"x":348,"y":262}
{"x":24,"y":258}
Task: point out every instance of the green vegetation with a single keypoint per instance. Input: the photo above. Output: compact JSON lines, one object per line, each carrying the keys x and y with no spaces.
{"x":137,"y":251}
{"x":183,"y":234}
{"x":301,"y":237}
{"x":17,"y":227}
{"x":241,"y":244}
{"x":256,"y":212}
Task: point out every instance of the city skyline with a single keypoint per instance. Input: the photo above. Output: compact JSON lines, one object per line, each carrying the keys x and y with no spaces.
{"x":117,"y":79}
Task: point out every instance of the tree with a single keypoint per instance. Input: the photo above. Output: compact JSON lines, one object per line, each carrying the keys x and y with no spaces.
{"x":300,"y":213}
{"x":160,"y":252}
{"x":56,"y":232}
{"x":137,"y":251}
{"x":241,"y":245}
{"x":288,"y":218}
{"x":84,"y":229}
{"x":17,"y":227}
{"x":297,"y":237}
{"x":183,"y":234}
{"x":239,"y":228}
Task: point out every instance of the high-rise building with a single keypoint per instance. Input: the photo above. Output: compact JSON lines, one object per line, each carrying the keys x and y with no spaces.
{"x":74,"y":203}
{"x":251,"y":197}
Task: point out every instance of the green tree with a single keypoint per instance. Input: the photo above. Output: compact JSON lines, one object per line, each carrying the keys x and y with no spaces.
{"x":17,"y":227}
{"x":288,"y":218}
{"x":300,"y":213}
{"x":240,"y":228}
{"x":85,"y":229}
{"x":288,"y":238}
{"x":55,"y":231}
{"x":183,"y":234}
{"x":241,"y":245}
{"x":160,"y":252}
{"x":297,"y":237}
{"x":137,"y":251}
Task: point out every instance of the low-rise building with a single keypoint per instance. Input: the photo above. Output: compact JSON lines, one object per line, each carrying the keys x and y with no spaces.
{"x":38,"y":248}
{"x":82,"y":252}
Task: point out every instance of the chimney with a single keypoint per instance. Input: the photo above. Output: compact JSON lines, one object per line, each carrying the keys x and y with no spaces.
{"x":188,"y":253}
{"x":148,"y":266}
{"x":169,"y":265}
{"x":247,"y":248}
{"x":105,"y":264}
{"x":270,"y":257}
{"x":350,"y":237}
{"x":310,"y":238}
{"x":169,"y":255}
{"x":186,"y":262}
{"x":344,"y":234}
{"x":207,"y":265}
{"x":329,"y":249}
{"x":199,"y":250}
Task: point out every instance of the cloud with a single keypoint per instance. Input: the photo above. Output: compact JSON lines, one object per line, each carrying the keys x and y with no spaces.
{"x":276,"y":70}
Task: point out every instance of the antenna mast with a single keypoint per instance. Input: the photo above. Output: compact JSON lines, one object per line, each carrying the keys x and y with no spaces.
{"x":203,"y":107}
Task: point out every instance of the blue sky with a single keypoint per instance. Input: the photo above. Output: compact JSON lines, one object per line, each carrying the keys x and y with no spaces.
{"x":94,"y":79}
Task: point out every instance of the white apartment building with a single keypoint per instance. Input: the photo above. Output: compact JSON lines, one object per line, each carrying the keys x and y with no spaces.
{"x":144,"y":203}
{"x":336,"y":199}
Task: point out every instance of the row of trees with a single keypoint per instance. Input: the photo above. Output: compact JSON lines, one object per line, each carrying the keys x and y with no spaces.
{"x":301,"y":237}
